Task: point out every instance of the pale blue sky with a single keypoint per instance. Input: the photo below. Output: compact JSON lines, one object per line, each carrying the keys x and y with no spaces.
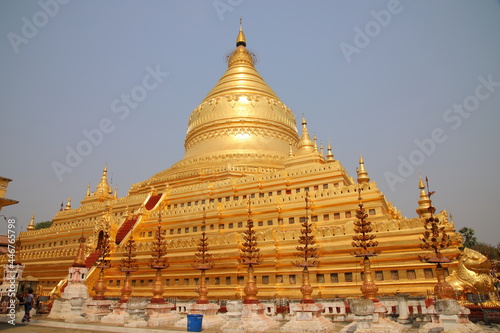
{"x":399,"y":85}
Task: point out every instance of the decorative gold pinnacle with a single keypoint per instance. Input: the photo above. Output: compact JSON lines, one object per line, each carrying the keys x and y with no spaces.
{"x":364,"y":240}
{"x":128,"y":265}
{"x":80,"y":254}
{"x":102,"y":263}
{"x":436,"y":239}
{"x":203,"y":261}
{"x":308,"y":254}
{"x":158,"y":261}
{"x":158,"y":258}
{"x":250,"y":255}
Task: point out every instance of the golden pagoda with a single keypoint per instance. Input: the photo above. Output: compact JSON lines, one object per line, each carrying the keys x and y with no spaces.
{"x":242,"y":146}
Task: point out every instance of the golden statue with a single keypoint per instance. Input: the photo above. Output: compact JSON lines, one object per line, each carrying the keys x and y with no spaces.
{"x":473,"y":276}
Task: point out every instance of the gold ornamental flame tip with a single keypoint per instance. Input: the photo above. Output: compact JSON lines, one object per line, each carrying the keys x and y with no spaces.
{"x":241,"y":40}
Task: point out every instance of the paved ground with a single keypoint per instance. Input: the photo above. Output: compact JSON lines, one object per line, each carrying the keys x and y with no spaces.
{"x":40,"y":324}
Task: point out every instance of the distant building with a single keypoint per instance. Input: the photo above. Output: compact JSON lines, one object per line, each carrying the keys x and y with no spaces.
{"x":4,"y":183}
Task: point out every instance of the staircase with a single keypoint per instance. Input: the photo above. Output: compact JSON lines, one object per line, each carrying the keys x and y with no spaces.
{"x":91,"y":259}
{"x":124,"y":230}
{"x":152,"y":201}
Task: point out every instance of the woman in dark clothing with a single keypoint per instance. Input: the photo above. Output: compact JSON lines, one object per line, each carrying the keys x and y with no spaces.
{"x":28,"y":305}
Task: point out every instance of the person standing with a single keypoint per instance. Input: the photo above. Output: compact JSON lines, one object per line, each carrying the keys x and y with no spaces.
{"x":28,"y":305}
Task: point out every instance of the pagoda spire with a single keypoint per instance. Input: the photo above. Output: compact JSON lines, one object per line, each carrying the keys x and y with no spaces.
{"x":241,"y":40}
{"x":88,"y":191}
{"x":424,"y":202}
{"x":68,"y":205}
{"x":31,"y":226}
{"x":361,"y":171}
{"x":329,"y":155}
{"x":306,"y":144}
{"x":103,"y":187}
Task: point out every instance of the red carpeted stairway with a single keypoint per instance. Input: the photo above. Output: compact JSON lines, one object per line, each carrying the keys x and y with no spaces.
{"x":124,"y":229}
{"x":91,"y":259}
{"x":153,"y":200}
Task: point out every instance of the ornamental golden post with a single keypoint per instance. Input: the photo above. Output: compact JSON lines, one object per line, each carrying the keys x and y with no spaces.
{"x":308,"y":254}
{"x":250,"y":255}
{"x":435,"y":238}
{"x":364,"y":240}
{"x":158,"y":261}
{"x":203,"y":261}
{"x":102,"y":264}
{"x":128,"y":266}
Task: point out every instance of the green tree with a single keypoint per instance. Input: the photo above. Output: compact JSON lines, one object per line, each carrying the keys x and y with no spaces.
{"x":43,"y":225}
{"x":469,"y":238}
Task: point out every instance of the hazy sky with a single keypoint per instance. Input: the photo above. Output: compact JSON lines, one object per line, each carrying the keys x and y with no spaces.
{"x":412,"y":85}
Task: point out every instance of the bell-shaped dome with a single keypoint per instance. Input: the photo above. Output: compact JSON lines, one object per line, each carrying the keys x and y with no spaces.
{"x":240,"y":123}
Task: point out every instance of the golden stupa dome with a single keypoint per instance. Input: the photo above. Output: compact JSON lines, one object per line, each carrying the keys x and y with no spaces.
{"x":241,"y":123}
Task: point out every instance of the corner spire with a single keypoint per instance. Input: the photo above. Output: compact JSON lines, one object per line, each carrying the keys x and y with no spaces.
{"x":102,"y":188}
{"x":424,"y":202}
{"x":361,"y":171}
{"x":306,"y":144}
{"x":241,"y":40}
{"x":31,"y":226}
{"x":68,"y":205}
{"x":329,"y":156}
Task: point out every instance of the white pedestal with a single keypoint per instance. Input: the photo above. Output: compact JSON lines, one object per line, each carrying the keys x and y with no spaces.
{"x":136,"y":308}
{"x":234,"y":323}
{"x":210,"y":318}
{"x":307,"y":317}
{"x":161,"y":315}
{"x":118,"y":315}
{"x":446,"y":318}
{"x":61,"y":309}
{"x":96,"y":309}
{"x":254,"y":319}
{"x":76,"y":310}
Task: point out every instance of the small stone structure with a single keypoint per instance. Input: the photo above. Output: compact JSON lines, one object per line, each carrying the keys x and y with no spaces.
{"x":307,"y":317}
{"x":447,"y":316}
{"x":234,"y":323}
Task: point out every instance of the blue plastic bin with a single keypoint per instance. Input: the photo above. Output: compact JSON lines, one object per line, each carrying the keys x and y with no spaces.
{"x":194,"y":322}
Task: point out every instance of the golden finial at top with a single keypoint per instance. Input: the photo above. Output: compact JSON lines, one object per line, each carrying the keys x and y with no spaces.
{"x":31,"y":226}
{"x":329,"y":156}
{"x":361,"y":171}
{"x":68,"y":205}
{"x":424,"y":201}
{"x":241,"y":40}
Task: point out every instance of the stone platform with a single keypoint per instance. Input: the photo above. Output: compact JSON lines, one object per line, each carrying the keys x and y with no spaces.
{"x":40,"y":324}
